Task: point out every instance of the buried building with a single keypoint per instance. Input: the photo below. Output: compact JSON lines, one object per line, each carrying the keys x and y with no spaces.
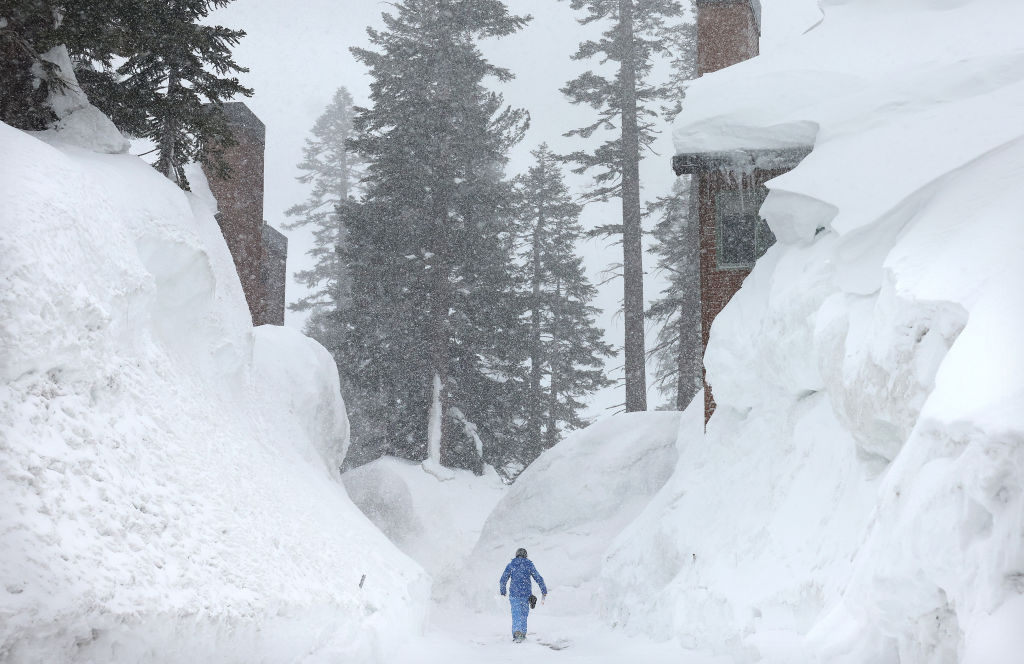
{"x":729,"y":185}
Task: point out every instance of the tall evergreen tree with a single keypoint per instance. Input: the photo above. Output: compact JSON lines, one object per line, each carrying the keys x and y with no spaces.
{"x":624,"y":102}
{"x":334,"y":171}
{"x":566,"y":350}
{"x":679,"y":372}
{"x":681,"y":43}
{"x":176,"y":71}
{"x":429,"y":251}
{"x":679,"y":357}
{"x":180,"y":71}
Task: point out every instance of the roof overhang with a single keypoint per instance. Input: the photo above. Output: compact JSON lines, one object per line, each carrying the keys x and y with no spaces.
{"x":739,"y":160}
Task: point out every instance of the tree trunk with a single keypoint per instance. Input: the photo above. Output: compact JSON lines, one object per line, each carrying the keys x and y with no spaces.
{"x":441,"y":193}
{"x":551,"y":434}
{"x":632,"y":242}
{"x":440,"y":304}
{"x":434,"y":423}
{"x":536,"y":396}
{"x":168,"y":154}
{"x":439,"y":348}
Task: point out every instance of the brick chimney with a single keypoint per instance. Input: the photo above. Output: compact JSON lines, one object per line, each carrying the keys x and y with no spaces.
{"x":240,"y":202}
{"x":728,"y":31}
{"x":273,"y":276}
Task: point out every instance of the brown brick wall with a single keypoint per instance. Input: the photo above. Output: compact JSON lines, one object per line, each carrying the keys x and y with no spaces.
{"x":240,"y":201}
{"x":273,"y":275}
{"x":726,"y":34}
{"x":718,"y":286}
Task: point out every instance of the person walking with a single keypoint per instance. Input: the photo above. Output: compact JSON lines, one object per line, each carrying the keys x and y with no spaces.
{"x":520,"y":571}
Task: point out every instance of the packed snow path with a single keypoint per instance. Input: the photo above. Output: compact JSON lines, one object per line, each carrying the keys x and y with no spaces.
{"x":455,"y":637}
{"x":565,"y":525}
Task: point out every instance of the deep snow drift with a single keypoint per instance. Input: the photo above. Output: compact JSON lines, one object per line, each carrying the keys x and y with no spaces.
{"x":859,"y":495}
{"x":566,"y":508}
{"x":435,"y":522}
{"x":167,"y":473}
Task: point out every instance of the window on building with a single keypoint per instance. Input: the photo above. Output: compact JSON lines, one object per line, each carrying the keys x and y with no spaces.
{"x":741,"y":236}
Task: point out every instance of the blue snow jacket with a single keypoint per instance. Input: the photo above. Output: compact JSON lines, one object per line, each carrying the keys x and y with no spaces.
{"x":520,"y":570}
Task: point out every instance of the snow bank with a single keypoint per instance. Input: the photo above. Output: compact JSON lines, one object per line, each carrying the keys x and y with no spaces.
{"x":168,"y":476}
{"x":568,"y":506}
{"x":436,"y":523}
{"x":297,"y":375}
{"x":749,"y":539}
{"x":859,"y":493}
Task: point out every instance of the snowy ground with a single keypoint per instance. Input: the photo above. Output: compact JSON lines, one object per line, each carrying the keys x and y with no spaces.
{"x":484,"y":637}
{"x":566,"y":509}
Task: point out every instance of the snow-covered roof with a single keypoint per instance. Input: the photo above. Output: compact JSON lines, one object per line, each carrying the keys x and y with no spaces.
{"x":935,"y":85}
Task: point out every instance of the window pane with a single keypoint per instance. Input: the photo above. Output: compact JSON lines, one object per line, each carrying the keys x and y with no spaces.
{"x":740,"y":201}
{"x":737,"y":240}
{"x":741,"y":236}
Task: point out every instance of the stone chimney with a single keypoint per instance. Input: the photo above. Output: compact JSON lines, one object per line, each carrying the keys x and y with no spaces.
{"x":273,"y":275}
{"x":240,"y":202}
{"x":728,"y":31}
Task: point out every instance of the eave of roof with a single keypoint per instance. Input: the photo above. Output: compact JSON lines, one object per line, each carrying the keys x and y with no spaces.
{"x":739,"y":160}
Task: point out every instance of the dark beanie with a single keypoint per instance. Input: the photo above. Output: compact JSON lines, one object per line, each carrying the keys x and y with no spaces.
{"x":520,"y":553}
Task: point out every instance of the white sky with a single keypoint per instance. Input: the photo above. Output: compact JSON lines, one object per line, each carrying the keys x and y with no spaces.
{"x":298,"y":56}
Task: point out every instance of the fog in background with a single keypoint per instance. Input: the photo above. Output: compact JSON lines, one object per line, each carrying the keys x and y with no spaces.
{"x":298,"y":56}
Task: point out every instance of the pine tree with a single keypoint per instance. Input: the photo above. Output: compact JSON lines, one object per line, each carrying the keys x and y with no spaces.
{"x":175,"y":74}
{"x":429,"y":251}
{"x":566,"y":348}
{"x":334,"y":171}
{"x":623,"y":101}
{"x":678,"y":354}
{"x":30,"y":29}
{"x":180,"y":71}
{"x":681,"y":43}
{"x":679,"y":372}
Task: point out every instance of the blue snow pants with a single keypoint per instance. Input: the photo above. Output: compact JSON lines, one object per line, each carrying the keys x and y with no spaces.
{"x":520,"y":610}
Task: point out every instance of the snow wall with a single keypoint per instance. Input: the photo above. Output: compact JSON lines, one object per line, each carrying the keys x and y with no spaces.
{"x":859,"y":494}
{"x":168,"y":475}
